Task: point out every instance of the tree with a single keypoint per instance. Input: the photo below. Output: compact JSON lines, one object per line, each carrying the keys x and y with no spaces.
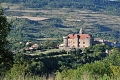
{"x":49,"y":44}
{"x":6,"y":57}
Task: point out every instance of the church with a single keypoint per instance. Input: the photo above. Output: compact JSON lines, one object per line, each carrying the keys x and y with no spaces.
{"x":80,"y":40}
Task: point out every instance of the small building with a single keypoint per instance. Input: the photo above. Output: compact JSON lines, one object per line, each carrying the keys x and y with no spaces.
{"x":76,"y":40}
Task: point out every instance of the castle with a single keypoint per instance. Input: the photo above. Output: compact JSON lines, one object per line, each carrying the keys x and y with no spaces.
{"x":76,"y":41}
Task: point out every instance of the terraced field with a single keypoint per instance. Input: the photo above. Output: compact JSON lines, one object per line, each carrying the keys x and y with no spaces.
{"x":96,"y":23}
{"x":71,"y":17}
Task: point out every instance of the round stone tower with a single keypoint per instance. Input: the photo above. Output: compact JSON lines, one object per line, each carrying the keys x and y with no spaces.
{"x":65,"y":41}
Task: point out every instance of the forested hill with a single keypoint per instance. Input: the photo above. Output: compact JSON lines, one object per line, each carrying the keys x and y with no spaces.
{"x":98,"y":17}
{"x":49,"y":8}
{"x":90,"y":4}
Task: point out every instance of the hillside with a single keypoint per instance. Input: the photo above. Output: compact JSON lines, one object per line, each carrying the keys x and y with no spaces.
{"x":58,"y":18}
{"x":37,"y":29}
{"x":91,"y":4}
{"x":95,"y":5}
{"x":57,"y":23}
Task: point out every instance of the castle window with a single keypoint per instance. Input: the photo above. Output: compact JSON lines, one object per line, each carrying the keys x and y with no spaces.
{"x":83,"y":42}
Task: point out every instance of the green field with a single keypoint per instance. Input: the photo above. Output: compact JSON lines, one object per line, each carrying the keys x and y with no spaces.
{"x":45,"y":51}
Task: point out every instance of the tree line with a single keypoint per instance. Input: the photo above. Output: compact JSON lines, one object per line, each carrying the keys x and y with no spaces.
{"x":96,"y":5}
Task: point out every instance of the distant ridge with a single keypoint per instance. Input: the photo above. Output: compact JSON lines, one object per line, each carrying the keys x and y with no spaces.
{"x":82,"y":4}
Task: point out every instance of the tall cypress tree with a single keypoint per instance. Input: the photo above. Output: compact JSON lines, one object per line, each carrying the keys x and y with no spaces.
{"x":6,"y":57}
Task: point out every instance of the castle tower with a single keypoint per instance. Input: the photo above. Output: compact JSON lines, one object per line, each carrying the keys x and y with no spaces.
{"x":88,"y":42}
{"x":81,"y":31}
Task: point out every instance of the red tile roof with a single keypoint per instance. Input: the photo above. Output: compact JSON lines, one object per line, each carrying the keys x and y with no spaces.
{"x":72,"y":36}
{"x":82,"y":36}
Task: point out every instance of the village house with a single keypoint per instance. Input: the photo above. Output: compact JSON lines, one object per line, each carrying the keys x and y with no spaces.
{"x":106,"y":42}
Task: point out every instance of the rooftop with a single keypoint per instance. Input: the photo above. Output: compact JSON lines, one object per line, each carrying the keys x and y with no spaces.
{"x":81,"y":36}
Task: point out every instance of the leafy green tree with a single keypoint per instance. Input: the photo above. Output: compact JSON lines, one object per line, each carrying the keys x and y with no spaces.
{"x":49,"y":44}
{"x":6,"y":57}
{"x":20,"y":66}
{"x":100,"y":48}
{"x":78,"y":51}
{"x":115,"y":70}
{"x":37,"y":67}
